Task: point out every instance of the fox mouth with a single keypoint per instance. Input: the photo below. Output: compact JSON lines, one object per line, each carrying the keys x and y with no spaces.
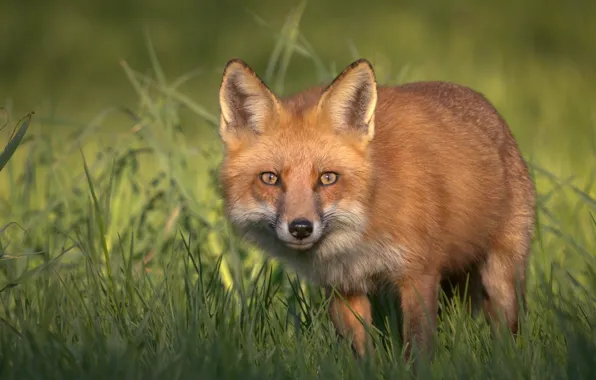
{"x":299,"y":246}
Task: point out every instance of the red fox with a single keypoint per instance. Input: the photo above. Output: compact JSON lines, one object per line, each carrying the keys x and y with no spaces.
{"x":358,"y":186}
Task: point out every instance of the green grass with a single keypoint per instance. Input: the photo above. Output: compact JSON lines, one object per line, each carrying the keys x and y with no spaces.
{"x":116,"y":260}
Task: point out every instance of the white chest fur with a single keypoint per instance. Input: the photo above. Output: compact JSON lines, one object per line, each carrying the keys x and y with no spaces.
{"x":342,"y":260}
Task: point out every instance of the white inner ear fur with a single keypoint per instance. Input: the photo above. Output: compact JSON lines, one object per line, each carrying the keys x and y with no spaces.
{"x":244,"y":100}
{"x":352,"y":99}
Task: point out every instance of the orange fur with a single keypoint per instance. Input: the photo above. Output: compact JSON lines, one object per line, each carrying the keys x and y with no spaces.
{"x":431,"y":185}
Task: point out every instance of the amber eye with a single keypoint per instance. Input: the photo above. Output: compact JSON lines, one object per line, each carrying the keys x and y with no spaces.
{"x":269,"y":178}
{"x":328,"y":178}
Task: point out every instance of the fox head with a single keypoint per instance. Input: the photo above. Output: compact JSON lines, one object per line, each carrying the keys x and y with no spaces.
{"x":296,"y":172}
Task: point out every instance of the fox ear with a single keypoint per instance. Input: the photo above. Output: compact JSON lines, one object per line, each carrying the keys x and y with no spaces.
{"x":246,"y":103}
{"x":351,"y":99}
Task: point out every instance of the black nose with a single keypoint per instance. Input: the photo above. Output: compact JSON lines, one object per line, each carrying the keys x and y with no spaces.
{"x":300,"y":228}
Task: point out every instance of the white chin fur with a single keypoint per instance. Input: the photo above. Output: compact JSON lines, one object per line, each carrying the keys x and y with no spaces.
{"x":300,"y":247}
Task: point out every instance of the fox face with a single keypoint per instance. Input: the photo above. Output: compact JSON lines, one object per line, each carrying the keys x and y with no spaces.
{"x":296,"y":173}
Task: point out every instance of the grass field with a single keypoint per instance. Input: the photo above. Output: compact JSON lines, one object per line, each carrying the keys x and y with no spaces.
{"x":116,"y":261}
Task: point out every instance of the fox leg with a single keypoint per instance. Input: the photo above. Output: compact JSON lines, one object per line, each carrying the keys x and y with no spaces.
{"x":419,"y":302}
{"x":503,"y":274}
{"x":503,"y":279}
{"x":342,"y":310}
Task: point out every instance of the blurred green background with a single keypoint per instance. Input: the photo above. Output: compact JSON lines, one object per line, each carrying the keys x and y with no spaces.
{"x":534,"y":59}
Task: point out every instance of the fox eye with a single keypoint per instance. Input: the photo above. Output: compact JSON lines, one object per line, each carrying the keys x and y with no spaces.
{"x":269,"y":178}
{"x":328,"y":178}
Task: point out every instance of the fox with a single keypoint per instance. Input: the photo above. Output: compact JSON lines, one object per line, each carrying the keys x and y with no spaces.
{"x":359,"y":187}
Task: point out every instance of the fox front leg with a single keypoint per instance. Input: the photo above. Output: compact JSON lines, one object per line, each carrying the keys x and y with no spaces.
{"x":419,"y":303}
{"x":351,"y":316}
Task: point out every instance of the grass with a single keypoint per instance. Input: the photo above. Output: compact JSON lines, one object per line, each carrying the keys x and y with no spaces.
{"x":116,"y":262}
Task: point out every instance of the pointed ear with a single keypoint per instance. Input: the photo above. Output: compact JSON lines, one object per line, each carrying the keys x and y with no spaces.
{"x":246,"y":103}
{"x":351,"y":99}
